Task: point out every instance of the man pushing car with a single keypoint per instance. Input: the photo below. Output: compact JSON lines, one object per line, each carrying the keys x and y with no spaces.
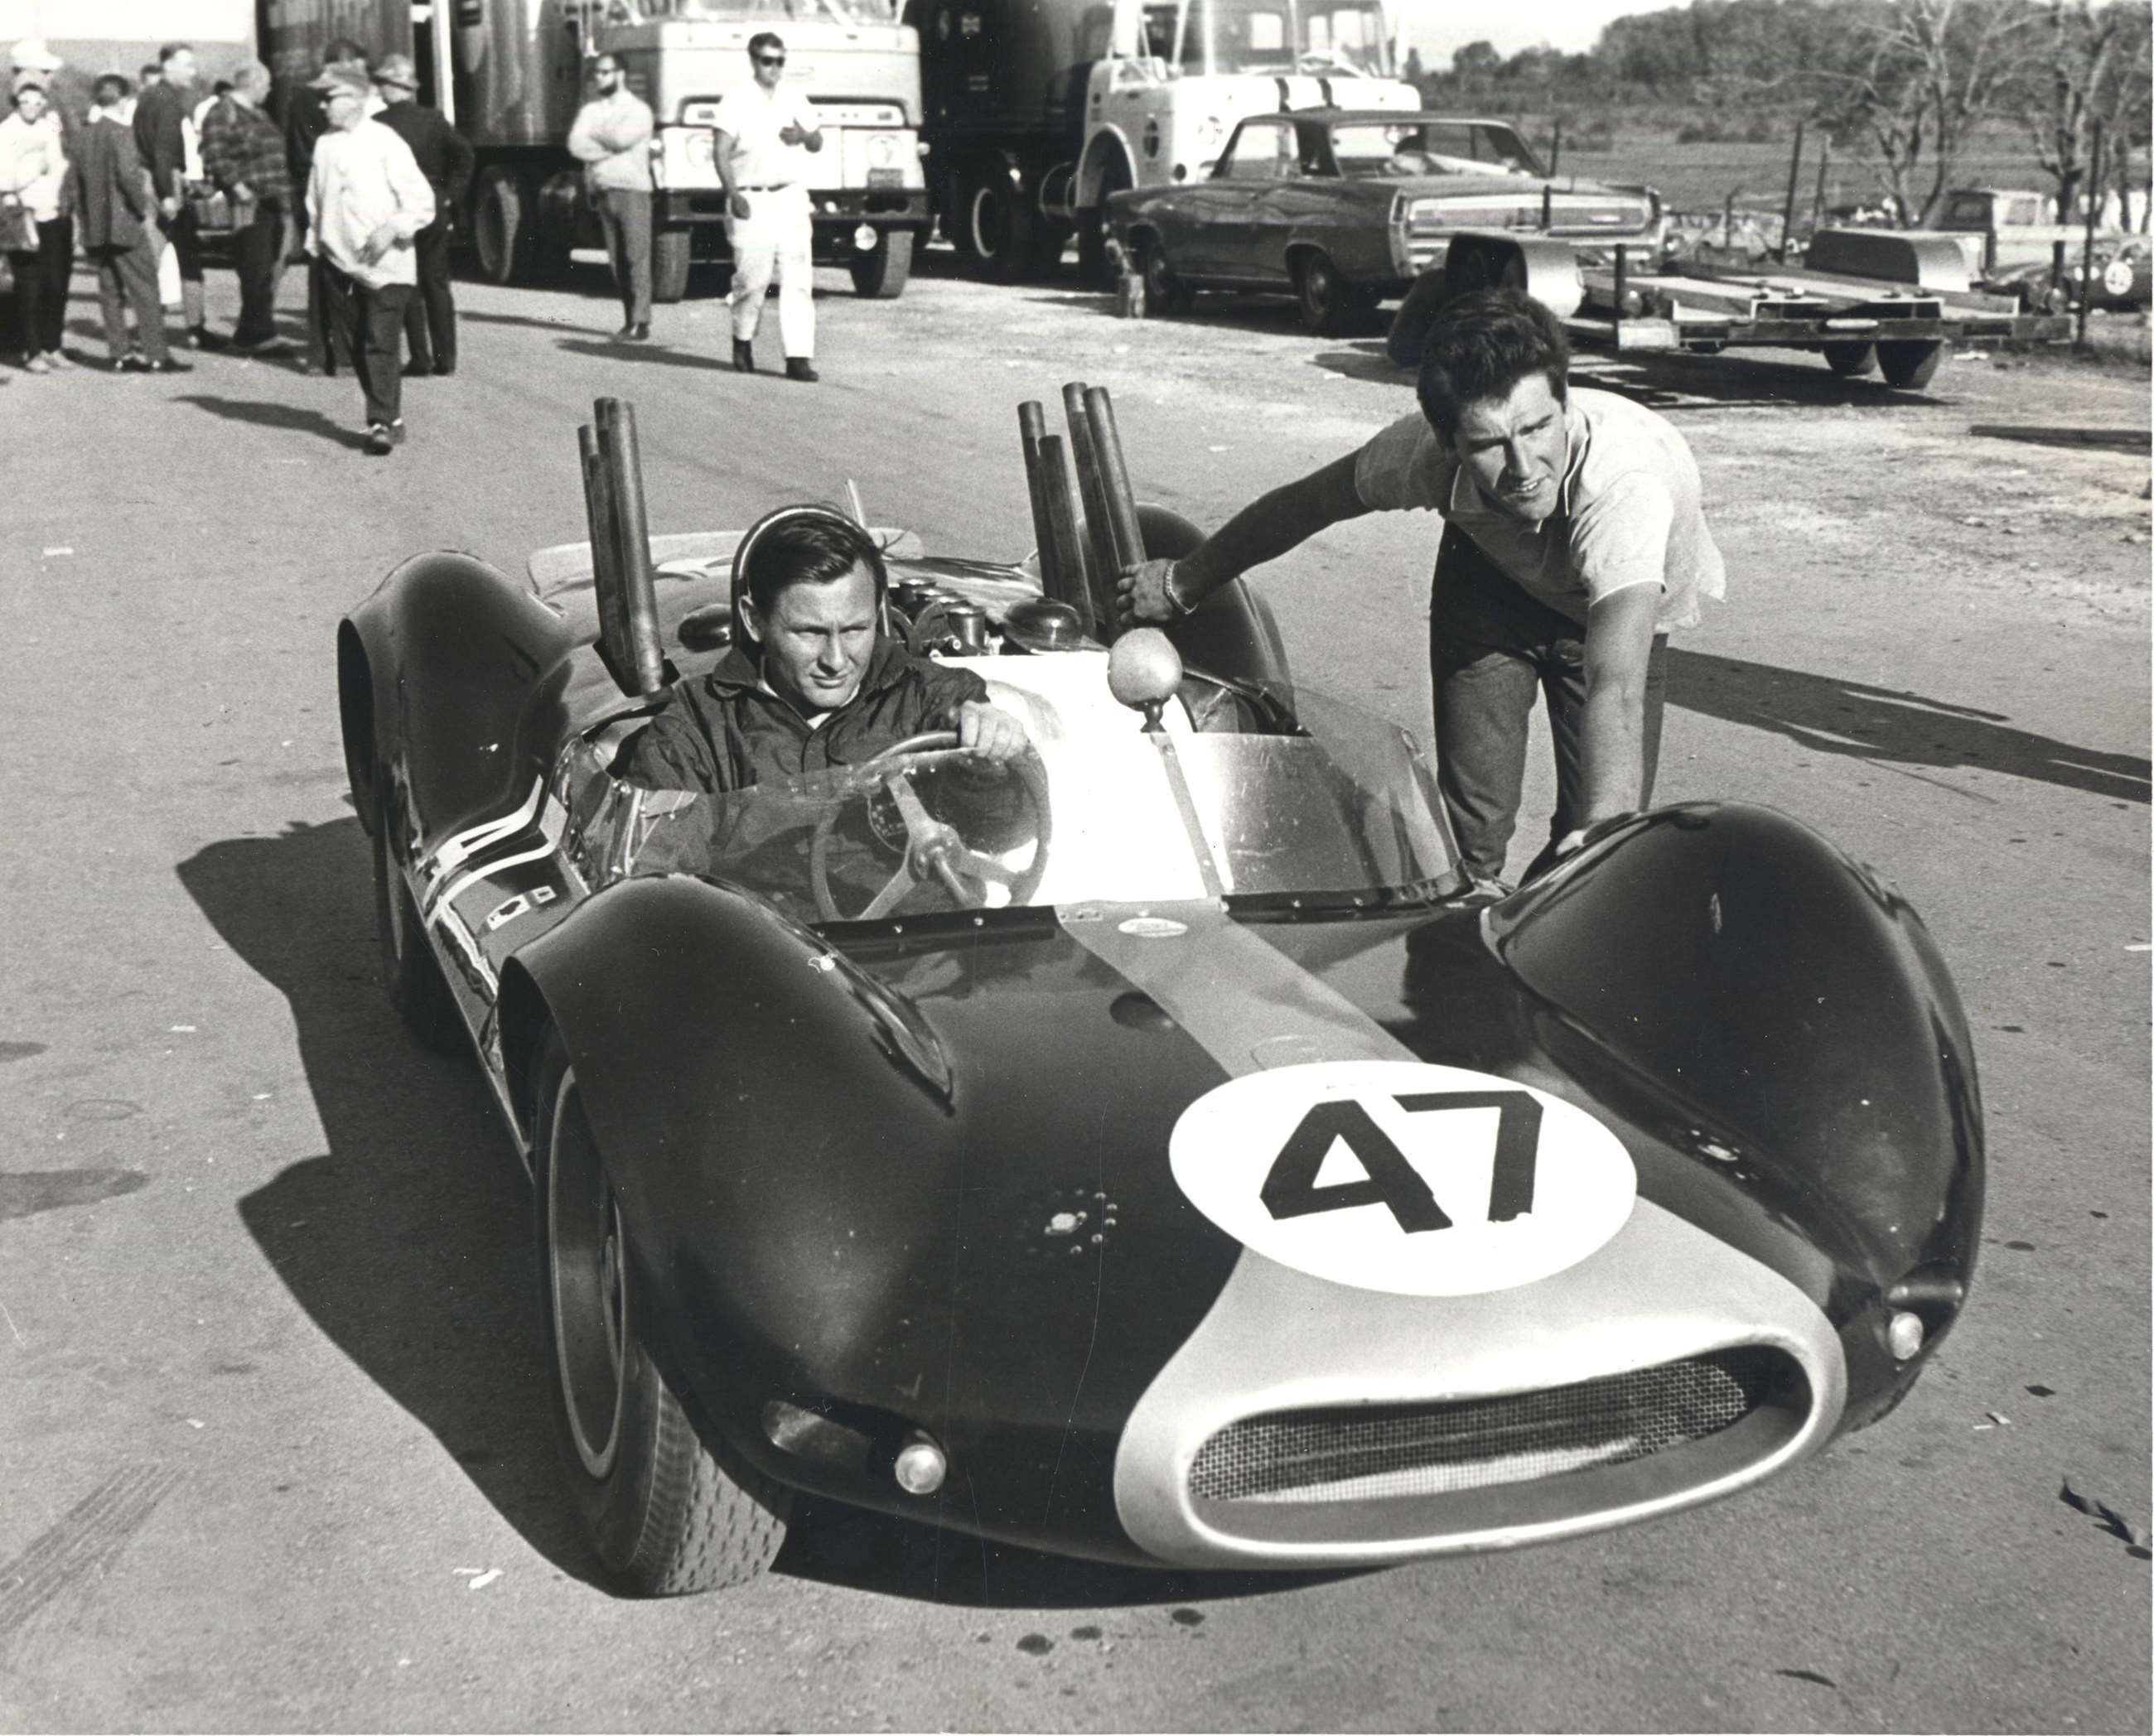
{"x":812,"y":682}
{"x":1573,"y":543}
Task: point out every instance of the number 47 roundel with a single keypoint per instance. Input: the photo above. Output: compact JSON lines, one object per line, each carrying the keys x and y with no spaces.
{"x":1402,"y":1176}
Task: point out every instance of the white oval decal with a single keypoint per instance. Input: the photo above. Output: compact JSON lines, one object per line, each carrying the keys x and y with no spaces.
{"x":1402,"y":1176}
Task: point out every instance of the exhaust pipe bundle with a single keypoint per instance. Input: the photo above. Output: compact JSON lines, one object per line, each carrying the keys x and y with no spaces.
{"x":1081,"y":557}
{"x":629,"y":642}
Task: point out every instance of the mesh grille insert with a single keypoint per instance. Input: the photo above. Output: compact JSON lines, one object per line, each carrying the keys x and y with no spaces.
{"x":1366,"y":1452}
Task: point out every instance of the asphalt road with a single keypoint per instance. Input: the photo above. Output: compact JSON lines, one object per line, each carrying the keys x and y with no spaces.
{"x":274,"y":1445}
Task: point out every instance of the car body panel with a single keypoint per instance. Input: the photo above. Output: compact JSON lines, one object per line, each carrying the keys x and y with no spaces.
{"x":984,"y":1235}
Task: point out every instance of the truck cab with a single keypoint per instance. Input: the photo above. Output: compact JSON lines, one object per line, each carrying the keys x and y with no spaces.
{"x":2004,"y":227}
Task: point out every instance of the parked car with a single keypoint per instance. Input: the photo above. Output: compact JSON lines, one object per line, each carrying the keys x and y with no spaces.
{"x":2003,"y":229}
{"x":1134,"y":1154}
{"x":2122,"y":281}
{"x":1344,"y":209}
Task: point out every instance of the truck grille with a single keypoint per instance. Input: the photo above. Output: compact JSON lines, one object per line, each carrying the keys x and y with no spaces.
{"x":1372,"y":1453}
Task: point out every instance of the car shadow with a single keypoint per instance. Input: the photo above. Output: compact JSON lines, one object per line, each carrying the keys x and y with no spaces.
{"x":408,"y":1241}
{"x":1827,"y":714}
{"x":288,"y":418}
{"x":834,"y":1545}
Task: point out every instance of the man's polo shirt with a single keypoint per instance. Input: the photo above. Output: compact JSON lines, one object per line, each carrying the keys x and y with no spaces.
{"x":1629,"y":513}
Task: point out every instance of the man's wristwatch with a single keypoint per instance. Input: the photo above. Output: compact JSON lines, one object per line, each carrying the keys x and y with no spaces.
{"x":1173,"y":597}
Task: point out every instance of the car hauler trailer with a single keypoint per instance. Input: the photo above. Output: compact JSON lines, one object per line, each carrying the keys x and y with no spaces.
{"x":517,"y":74}
{"x":1867,"y":299}
{"x":1037,"y":109}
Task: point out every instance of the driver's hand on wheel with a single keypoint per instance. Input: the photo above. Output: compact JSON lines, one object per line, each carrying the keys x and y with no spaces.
{"x":991,"y":732}
{"x":1146,"y":597}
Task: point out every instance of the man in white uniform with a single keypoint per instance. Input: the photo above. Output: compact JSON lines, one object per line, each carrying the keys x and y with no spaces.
{"x":765,"y":133}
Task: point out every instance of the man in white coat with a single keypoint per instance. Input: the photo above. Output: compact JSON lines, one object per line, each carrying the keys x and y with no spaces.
{"x":366,"y":200}
{"x":765,"y":134}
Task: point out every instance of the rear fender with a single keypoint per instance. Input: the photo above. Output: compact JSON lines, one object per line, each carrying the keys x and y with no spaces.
{"x":437,"y":672}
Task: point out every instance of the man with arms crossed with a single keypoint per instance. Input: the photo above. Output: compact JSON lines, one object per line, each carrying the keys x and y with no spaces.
{"x":1574,"y":541}
{"x":611,"y":139}
{"x":765,"y":134}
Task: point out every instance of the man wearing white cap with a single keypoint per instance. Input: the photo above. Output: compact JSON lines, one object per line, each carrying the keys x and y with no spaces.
{"x":367,"y":200}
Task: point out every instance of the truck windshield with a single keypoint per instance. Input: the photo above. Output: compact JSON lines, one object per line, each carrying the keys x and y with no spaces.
{"x":1343,"y":39}
{"x":778,"y":13}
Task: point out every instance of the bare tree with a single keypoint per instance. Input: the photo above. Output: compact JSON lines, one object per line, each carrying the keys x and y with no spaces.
{"x":2068,"y":80}
{"x":1913,"y":78}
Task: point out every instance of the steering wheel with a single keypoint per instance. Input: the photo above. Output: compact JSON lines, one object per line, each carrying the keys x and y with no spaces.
{"x":934,"y":850}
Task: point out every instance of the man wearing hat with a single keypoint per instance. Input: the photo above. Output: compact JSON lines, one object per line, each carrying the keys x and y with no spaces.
{"x":367,"y":202}
{"x":430,"y":320}
{"x":305,"y":120}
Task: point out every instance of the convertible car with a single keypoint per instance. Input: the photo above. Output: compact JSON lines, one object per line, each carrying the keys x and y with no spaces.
{"x":1142,"y":1153}
{"x":1343,"y":209}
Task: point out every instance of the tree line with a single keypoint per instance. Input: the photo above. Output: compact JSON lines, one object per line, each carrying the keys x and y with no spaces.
{"x":1904,"y":85}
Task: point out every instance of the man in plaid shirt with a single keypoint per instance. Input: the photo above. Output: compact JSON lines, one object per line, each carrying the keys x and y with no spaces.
{"x":243,"y":154}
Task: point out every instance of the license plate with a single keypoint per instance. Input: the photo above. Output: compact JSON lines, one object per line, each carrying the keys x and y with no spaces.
{"x":886,"y":177}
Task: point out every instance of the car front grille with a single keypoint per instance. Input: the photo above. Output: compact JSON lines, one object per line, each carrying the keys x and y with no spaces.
{"x":1374,"y":1454}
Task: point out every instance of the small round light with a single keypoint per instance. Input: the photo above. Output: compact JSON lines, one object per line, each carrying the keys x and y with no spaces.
{"x":921,"y":1466}
{"x":1903,"y":1334}
{"x":864,"y":238}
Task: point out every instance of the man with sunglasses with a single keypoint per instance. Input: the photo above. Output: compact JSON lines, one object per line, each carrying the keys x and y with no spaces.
{"x":611,"y":139}
{"x":765,"y":135}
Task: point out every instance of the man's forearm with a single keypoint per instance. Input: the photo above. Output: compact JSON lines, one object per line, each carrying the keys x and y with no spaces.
{"x":1269,"y":526}
{"x":1612,"y":750}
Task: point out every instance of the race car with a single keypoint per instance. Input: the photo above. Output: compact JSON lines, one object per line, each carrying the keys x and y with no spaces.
{"x":1143,"y":1152}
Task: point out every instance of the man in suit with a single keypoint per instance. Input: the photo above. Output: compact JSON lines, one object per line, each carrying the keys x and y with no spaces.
{"x":445,"y":159}
{"x":117,"y":205}
{"x":161,"y":135}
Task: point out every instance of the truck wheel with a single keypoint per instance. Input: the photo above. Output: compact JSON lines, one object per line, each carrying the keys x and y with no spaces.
{"x":499,"y":226}
{"x":998,"y":221}
{"x":881,"y":273}
{"x":1851,"y":361}
{"x":1164,"y":291}
{"x":1911,"y":363}
{"x":1330,"y":306}
{"x":1092,"y":228}
{"x":669,"y":265}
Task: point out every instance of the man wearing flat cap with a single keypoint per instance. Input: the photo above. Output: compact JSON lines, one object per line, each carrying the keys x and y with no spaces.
{"x":366,"y":203}
{"x":430,"y":320}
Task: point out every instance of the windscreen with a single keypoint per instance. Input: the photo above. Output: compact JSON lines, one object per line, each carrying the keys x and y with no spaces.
{"x":1399,"y":150}
{"x":1343,"y":813}
{"x":1270,"y":36}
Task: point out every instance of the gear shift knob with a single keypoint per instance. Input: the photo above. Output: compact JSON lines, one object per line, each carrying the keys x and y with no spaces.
{"x":1144,"y":671}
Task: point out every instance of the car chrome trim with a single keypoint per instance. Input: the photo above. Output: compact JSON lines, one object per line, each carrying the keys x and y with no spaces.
{"x":454,"y":851}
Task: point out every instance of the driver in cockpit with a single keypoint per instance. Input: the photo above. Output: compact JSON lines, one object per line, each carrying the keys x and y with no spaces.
{"x":811,"y":680}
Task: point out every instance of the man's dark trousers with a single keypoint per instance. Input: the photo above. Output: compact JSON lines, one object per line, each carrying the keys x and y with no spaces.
{"x":1491,"y":646}
{"x":370,"y":324}
{"x":429,"y":317}
{"x":254,"y":262}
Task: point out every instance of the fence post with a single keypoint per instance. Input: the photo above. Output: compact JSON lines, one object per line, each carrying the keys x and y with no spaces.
{"x":1555,"y":148}
{"x":1794,"y":182}
{"x":1824,"y":172}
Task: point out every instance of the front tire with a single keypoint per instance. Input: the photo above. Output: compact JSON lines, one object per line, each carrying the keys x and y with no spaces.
{"x":881,"y":274}
{"x":669,"y":266}
{"x":999,"y":220}
{"x":410,"y":973}
{"x":662,"y":1513}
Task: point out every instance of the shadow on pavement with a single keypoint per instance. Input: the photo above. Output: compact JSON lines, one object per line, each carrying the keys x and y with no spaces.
{"x":408,"y":1241}
{"x":290,"y":418}
{"x":838,"y":1545}
{"x":1827,"y":714}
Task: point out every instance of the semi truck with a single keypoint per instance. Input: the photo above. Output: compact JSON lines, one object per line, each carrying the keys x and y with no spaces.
{"x":512,"y":73}
{"x":1035,"y":110}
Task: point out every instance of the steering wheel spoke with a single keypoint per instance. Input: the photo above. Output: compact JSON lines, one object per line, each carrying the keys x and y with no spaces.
{"x":976,"y":867}
{"x":891,"y":896}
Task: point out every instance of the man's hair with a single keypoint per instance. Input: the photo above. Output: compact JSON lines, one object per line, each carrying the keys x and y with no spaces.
{"x":171,"y":48}
{"x":1481,"y":346}
{"x":809,"y":546}
{"x":149,"y":70}
{"x":764,"y":39}
{"x":110,"y":89}
{"x":345,"y":52}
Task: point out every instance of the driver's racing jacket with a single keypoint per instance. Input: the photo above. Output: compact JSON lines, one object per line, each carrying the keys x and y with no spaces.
{"x":726,"y":731}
